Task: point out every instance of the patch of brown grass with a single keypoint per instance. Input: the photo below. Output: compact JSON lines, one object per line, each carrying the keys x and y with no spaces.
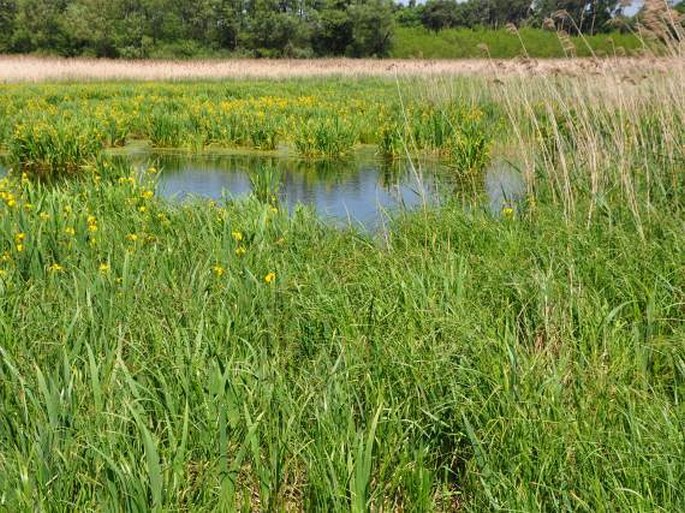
{"x":41,"y":69}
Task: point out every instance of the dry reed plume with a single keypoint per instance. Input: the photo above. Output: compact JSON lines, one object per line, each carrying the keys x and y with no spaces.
{"x":39,"y":69}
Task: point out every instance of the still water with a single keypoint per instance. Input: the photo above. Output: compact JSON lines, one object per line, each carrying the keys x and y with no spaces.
{"x":361,"y":191}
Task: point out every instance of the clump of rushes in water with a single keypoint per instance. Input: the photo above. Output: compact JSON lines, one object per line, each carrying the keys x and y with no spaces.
{"x":266,"y":183}
{"x":58,"y":132}
{"x":52,"y":148}
{"x":325,"y":138}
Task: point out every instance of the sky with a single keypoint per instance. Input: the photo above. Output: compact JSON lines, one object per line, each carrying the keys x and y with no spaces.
{"x":633,"y":8}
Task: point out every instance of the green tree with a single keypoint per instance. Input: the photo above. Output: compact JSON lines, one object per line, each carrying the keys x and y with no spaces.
{"x":408,"y":15}
{"x":501,"y":12}
{"x":38,"y":26}
{"x":8,"y":12}
{"x":372,"y":28}
{"x":216,"y":23}
{"x":275,"y":27}
{"x":92,"y":25}
{"x":588,"y":16}
{"x":334,"y":28}
{"x":440,"y":14}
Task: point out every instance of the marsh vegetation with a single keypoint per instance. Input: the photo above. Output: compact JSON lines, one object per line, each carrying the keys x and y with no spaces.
{"x":232,"y":355}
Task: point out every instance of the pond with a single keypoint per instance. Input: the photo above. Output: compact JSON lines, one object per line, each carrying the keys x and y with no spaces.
{"x":360,"y":191}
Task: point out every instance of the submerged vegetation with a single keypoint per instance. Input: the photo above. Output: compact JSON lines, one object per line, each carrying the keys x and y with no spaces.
{"x":231,"y":356}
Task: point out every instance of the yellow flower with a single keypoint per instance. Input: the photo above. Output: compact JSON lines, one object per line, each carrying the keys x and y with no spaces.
{"x":507,"y":212}
{"x":240,"y":251}
{"x":5,"y":257}
{"x":3,"y":272}
{"x":92,"y":224}
{"x":142,"y":209}
{"x":19,"y":237}
{"x":147,"y":194}
{"x":67,"y":209}
{"x":11,"y":202}
{"x":127,"y":179}
{"x":55,"y":268}
{"x":70,"y":231}
{"x":104,"y":268}
{"x":273,"y":210}
{"x":132,"y":237}
{"x":270,"y":278}
{"x":44,"y":216}
{"x":218,"y":271}
{"x":152,"y":170}
{"x":20,"y":248}
{"x":237,"y":236}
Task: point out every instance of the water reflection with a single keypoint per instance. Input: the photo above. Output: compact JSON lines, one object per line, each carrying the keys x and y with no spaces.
{"x":504,"y":186}
{"x":359,"y":191}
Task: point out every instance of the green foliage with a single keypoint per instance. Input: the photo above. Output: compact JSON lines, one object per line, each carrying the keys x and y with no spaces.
{"x":265,"y":183}
{"x":8,"y":10}
{"x":147,"y":363}
{"x":468,"y":43}
{"x":325,"y":137}
{"x":333,"y":34}
{"x":586,"y":16}
{"x":316,"y":120}
{"x":575,"y":16}
{"x":165,"y":28}
{"x":53,"y":149}
{"x":266,"y":28}
{"x":235,"y":356}
{"x":372,"y":28}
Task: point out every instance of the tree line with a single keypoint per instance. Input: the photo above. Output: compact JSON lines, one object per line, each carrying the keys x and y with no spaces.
{"x":270,"y":28}
{"x":586,"y":16}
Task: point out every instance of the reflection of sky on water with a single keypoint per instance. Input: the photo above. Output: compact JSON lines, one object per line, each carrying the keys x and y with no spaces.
{"x":504,"y":186}
{"x":361,"y":191}
{"x":200,"y":182}
{"x":354,"y":191}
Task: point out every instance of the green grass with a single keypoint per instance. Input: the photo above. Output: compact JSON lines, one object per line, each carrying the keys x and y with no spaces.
{"x":49,"y":129}
{"x":496,"y":363}
{"x":223,"y":357}
{"x":502,"y":44}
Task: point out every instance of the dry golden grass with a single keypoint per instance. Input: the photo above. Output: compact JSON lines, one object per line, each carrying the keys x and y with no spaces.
{"x":38,"y":69}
